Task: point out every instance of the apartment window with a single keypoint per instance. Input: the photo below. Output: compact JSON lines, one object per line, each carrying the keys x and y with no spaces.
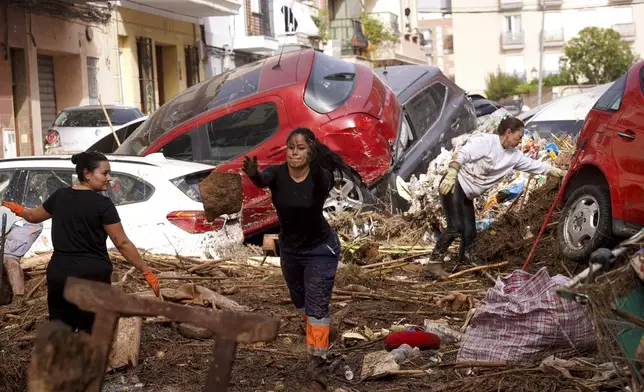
{"x":256,"y":6}
{"x":551,"y":63}
{"x":427,"y":35}
{"x":512,"y":24}
{"x":514,"y":65}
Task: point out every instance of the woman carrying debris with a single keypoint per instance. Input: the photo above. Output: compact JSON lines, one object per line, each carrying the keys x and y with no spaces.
{"x":480,"y":164}
{"x":309,"y":247}
{"x":82,"y":219}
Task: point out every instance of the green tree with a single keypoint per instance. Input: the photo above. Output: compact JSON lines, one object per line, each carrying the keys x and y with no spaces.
{"x":375,"y":32}
{"x":597,"y":56}
{"x":501,"y":85}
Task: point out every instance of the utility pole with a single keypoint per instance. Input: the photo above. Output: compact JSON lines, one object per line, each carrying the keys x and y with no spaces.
{"x":541,"y":48}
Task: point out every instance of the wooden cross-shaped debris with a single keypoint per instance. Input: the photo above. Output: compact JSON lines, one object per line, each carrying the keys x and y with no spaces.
{"x":54,"y":357}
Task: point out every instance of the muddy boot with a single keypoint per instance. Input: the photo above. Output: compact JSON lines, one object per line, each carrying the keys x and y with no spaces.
{"x":316,"y":374}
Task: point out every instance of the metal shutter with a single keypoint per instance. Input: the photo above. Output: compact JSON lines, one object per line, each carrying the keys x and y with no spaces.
{"x":47,"y":92}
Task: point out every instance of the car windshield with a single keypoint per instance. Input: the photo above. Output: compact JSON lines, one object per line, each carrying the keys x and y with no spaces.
{"x":223,"y":89}
{"x":95,"y":117}
{"x":546,"y":129}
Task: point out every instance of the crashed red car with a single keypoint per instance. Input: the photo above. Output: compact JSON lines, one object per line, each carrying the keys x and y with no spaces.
{"x":604,"y":198}
{"x":251,"y":110}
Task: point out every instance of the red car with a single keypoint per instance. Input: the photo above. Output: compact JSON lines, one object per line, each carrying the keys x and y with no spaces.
{"x":604,"y":197}
{"x":252,"y":109}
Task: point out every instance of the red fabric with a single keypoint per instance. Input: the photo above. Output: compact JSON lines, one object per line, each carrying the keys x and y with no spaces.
{"x":422,"y":340}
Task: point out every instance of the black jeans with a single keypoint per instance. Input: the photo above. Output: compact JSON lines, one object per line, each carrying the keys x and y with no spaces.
{"x":460,"y":222}
{"x":58,"y":270}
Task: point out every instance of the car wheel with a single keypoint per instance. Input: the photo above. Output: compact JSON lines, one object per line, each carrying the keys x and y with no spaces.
{"x":347,"y":195}
{"x":586,"y":222}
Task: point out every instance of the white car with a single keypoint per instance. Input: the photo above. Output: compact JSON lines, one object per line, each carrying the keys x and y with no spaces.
{"x":157,"y":199}
{"x":564,"y":115}
{"x":77,"y":128}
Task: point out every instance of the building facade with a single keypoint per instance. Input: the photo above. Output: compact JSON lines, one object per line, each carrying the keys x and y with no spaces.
{"x":505,"y":34}
{"x":439,"y":41}
{"x":262,"y":28}
{"x":129,"y":53}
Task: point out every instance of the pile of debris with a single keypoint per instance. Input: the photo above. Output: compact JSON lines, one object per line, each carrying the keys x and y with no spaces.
{"x":515,"y":206}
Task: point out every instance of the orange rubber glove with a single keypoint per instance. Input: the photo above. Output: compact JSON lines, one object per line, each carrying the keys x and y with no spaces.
{"x":14,"y":207}
{"x":152,"y":280}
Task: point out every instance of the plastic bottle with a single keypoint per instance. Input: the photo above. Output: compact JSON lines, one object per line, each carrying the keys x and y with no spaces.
{"x":404,"y":352}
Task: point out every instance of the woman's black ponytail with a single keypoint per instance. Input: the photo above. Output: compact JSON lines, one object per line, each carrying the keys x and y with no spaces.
{"x":321,"y":156}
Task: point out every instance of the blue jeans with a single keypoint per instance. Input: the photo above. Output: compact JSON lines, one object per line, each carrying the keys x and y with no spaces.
{"x":310,"y":275}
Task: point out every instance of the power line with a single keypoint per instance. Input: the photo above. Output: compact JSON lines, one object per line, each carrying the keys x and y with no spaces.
{"x":498,"y":10}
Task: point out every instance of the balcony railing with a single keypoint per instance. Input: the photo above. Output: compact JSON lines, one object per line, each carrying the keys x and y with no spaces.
{"x":388,"y":19}
{"x":512,"y":39}
{"x":510,"y":4}
{"x":553,"y":37}
{"x":626,"y":30}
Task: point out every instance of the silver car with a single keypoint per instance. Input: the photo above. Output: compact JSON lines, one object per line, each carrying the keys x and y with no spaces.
{"x":77,"y":128}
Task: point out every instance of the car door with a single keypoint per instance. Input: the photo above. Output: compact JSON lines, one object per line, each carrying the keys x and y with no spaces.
{"x":224,"y":137}
{"x":257,"y":128}
{"x":628,"y":148}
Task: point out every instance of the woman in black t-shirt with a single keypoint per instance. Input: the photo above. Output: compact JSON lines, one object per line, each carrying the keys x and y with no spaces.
{"x":309,"y":247}
{"x":82,"y":219}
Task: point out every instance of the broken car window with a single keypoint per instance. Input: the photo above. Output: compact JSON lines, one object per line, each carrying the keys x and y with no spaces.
{"x":43,"y":183}
{"x":5,"y":179}
{"x":126,"y":189}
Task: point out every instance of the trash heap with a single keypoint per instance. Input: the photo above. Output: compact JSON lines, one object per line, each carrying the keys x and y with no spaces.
{"x":511,"y":193}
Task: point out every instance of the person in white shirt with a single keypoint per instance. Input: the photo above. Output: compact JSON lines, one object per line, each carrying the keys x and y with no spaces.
{"x":481,"y":163}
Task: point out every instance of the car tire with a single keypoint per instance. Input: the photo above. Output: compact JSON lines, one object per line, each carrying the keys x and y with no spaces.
{"x":586,"y":223}
{"x":352,"y":195}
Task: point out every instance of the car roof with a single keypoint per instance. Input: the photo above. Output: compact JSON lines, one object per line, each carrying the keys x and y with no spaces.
{"x":97,"y":107}
{"x":402,"y":78}
{"x":573,"y":107}
{"x":168,"y":168}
